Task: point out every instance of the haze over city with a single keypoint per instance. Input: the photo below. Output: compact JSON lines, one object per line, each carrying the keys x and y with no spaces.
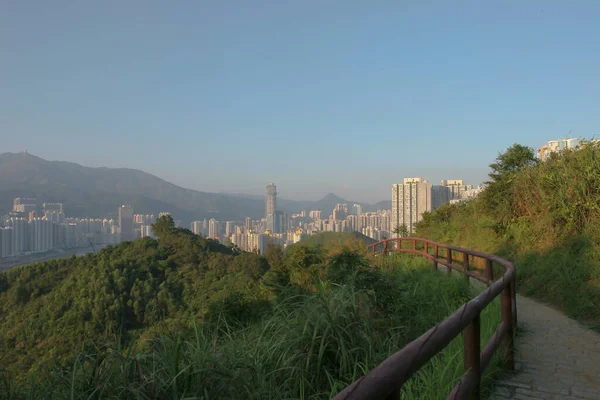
{"x":340,"y":97}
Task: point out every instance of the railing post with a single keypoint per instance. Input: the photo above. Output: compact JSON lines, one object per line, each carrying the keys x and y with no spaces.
{"x":427,"y":247}
{"x":507,"y":318}
{"x":414,"y":253}
{"x":436,"y":254}
{"x":472,"y":350}
{"x":449,"y":259}
{"x":489,"y":270}
{"x":466,"y":265}
{"x":514,"y":299}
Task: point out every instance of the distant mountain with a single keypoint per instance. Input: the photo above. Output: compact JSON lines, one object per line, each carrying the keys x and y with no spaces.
{"x":382,"y":205}
{"x":98,"y":192}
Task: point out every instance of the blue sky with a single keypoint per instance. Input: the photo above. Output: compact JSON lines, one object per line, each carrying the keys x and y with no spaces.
{"x":316,"y":96}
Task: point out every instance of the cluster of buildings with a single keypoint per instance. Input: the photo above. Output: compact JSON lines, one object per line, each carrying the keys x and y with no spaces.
{"x":554,"y":146}
{"x":32,"y":227}
{"x":416,"y":196}
{"x":409,"y":201}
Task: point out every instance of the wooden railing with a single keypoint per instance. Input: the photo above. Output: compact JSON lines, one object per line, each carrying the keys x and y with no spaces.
{"x":386,"y":380}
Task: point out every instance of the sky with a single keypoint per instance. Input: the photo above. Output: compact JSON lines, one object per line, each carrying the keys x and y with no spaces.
{"x":320,"y":96}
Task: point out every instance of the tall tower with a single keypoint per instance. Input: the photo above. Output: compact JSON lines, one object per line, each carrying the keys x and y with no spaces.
{"x":126,"y":222}
{"x":271,"y":200}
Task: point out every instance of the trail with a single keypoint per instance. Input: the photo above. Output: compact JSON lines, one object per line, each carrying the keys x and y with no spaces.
{"x":556,"y":357}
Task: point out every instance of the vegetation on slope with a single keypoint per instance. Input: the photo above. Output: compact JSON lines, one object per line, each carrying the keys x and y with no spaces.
{"x":545,"y":216}
{"x":328,"y":238}
{"x":185,"y":317}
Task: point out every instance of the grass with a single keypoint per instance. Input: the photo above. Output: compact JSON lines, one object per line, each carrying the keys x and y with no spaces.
{"x":310,"y":346}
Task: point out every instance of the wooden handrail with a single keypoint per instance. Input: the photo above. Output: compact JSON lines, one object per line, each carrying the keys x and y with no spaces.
{"x":386,"y":380}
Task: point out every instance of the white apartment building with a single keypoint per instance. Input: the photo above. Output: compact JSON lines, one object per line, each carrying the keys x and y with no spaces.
{"x":409,"y":201}
{"x":554,"y":146}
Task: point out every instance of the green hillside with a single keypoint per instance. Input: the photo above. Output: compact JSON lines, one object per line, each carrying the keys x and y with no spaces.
{"x":185,"y":317}
{"x":326,"y":238}
{"x":545,"y":216}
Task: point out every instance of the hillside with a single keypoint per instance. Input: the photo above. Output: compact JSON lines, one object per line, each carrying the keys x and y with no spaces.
{"x":327,"y":238}
{"x":98,"y":192}
{"x":128,"y":288}
{"x":545,"y":216}
{"x":185,"y":317}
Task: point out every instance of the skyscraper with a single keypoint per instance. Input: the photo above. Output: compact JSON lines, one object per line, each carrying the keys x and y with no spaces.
{"x":271,"y":200}
{"x":409,"y":201}
{"x":126,"y":222}
{"x":271,"y":206}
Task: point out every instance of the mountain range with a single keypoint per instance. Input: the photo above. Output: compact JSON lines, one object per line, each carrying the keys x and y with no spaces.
{"x":98,"y":192}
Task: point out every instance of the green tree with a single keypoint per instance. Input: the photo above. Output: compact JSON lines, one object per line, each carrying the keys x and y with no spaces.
{"x":163,"y":226}
{"x":401,"y":230}
{"x":498,"y":194}
{"x":508,"y":163}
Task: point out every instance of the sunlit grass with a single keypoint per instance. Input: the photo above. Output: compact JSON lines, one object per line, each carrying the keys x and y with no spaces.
{"x":310,"y":346}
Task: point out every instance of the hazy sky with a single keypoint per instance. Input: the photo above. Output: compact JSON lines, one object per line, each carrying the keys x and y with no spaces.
{"x":316,"y":96}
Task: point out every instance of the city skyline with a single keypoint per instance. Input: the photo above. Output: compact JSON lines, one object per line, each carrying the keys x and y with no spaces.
{"x":318,"y":102}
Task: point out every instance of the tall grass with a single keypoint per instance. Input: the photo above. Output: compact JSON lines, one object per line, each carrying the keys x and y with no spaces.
{"x":551,"y":231}
{"x":310,"y":346}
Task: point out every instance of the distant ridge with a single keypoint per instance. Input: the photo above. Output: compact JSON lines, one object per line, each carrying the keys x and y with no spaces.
{"x":97,"y":192}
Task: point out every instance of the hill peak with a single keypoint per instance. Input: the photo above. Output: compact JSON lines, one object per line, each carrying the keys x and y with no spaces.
{"x":333,"y":197}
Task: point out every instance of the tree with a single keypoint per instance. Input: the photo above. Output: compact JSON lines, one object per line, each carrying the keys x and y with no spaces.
{"x":401,"y":230}
{"x":508,"y":163}
{"x":497,"y":197}
{"x":163,"y":226}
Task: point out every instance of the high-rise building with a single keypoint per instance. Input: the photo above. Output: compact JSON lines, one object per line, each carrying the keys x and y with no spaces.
{"x":229,"y":228}
{"x":24,"y":204}
{"x":146,"y":231}
{"x":456,"y":188}
{"x":20,"y":235}
{"x":270,"y":200}
{"x":315,"y":214}
{"x":339,"y":214}
{"x":196,"y":227}
{"x":409,"y":201}
{"x":342,"y":207}
{"x":248,"y":225}
{"x":356,"y":209}
{"x":41,"y":235}
{"x":213,"y":228}
{"x":439,"y":196}
{"x":56,"y":217}
{"x":557,"y":145}
{"x":126,"y":222}
{"x":6,"y":247}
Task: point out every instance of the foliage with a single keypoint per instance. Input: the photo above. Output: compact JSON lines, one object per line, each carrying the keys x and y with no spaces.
{"x":327,"y":238}
{"x":401,"y":231}
{"x":545,"y":217}
{"x":308,"y":345}
{"x":163,"y":226}
{"x":47,"y":308}
{"x":507,"y":165}
{"x":185,"y":317}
